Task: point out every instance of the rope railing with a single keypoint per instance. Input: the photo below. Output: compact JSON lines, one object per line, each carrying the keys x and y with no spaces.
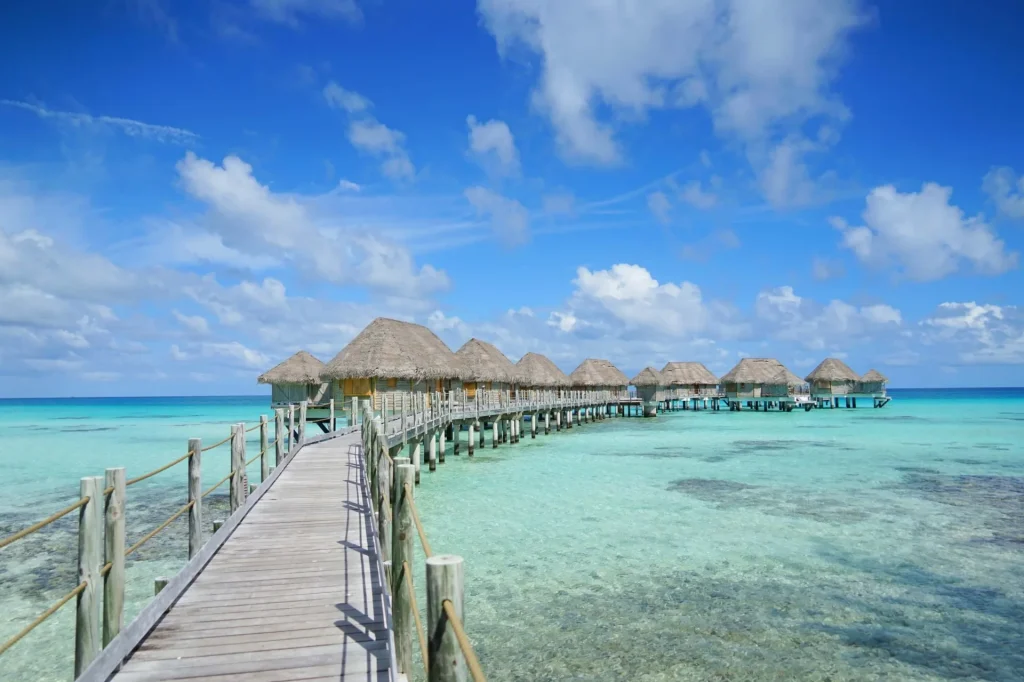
{"x":218,"y":484}
{"x":427,"y":551}
{"x":420,"y":633}
{"x":153,"y":533}
{"x":472,"y":662}
{"x":44,"y":523}
{"x":43,"y":616}
{"x":216,"y":445}
{"x":154,"y":472}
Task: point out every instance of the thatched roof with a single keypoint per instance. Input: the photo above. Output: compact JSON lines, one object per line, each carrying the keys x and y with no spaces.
{"x":301,"y":368}
{"x":537,"y":370}
{"x":594,"y":372}
{"x":761,"y":371}
{"x":392,"y":349}
{"x":648,"y":376}
{"x":483,"y":362}
{"x":832,"y":369}
{"x":688,"y":374}
{"x":874,"y":375}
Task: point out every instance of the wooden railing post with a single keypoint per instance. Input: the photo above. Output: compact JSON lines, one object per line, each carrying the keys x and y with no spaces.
{"x":402,"y":553}
{"x":330,"y":421}
{"x":445,"y":662}
{"x":195,"y":496}
{"x":302,"y":423}
{"x":355,"y":411}
{"x":239,"y":485}
{"x":113,"y":553}
{"x":89,"y":616}
{"x":264,"y":449}
{"x":278,"y":437}
{"x":291,"y":427}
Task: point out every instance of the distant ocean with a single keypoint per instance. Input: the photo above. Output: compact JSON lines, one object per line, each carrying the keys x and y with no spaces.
{"x":832,"y":545}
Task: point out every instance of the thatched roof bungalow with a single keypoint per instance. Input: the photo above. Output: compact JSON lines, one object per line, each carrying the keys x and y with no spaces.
{"x":650,"y":385}
{"x":538,"y":372}
{"x":872,"y":383}
{"x":684,"y":379}
{"x":486,"y":368}
{"x":832,"y":377}
{"x":599,"y":375}
{"x":391,"y":356}
{"x":760,"y":378}
{"x":295,"y":380}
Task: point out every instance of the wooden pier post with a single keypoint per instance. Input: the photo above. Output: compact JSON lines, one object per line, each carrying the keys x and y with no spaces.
{"x":494,"y":433}
{"x":416,"y":455}
{"x":533,"y":424}
{"x":302,"y":422}
{"x":238,"y":483}
{"x":113,"y":553}
{"x":547,"y":422}
{"x":432,"y":450}
{"x":442,"y":444}
{"x":89,"y":615}
{"x":471,"y":437}
{"x":330,"y":417}
{"x":264,"y":449}
{"x":445,"y":662}
{"x":278,"y":437}
{"x":355,"y":411}
{"x":291,"y":427}
{"x":402,"y":557}
{"x":195,"y":496}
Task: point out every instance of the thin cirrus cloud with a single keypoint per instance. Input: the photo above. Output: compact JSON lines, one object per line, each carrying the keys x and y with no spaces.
{"x":129,"y":127}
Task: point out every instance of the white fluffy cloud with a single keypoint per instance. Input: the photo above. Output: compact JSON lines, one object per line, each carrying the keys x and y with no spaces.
{"x":923,"y":235}
{"x":693,"y":194}
{"x":760,"y":69}
{"x":788,"y":316}
{"x":509,"y":219}
{"x":369,"y":135}
{"x":1006,"y":190}
{"x":252,"y":219}
{"x":981,"y":333}
{"x":293,"y":12}
{"x":493,"y":145}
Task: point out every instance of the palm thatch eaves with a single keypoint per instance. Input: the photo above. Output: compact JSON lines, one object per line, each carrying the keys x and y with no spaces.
{"x":832,"y":369}
{"x":688,"y":374}
{"x":766,"y":371}
{"x":537,"y":370}
{"x":392,"y":349}
{"x":482,"y":361}
{"x":648,"y":376}
{"x":593,"y":373}
{"x":874,"y":375}
{"x":301,"y":368}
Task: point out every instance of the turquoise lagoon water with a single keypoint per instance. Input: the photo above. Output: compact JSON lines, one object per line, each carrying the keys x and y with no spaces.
{"x":832,"y":545}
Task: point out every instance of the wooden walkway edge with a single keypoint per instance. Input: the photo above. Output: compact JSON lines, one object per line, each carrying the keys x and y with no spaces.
{"x":292,"y":588}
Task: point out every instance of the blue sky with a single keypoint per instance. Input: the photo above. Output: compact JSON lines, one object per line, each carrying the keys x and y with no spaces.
{"x":190,"y":192}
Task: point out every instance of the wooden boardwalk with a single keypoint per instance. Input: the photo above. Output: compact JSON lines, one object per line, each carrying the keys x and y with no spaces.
{"x":295,"y":593}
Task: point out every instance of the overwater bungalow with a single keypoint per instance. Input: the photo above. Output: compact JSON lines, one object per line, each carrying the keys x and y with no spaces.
{"x":832,"y":377}
{"x":761,"y":382}
{"x":538,"y":374}
{"x":487,"y":371}
{"x":599,"y":376}
{"x":296,"y":380}
{"x":689,"y":379}
{"x":393,"y":357}
{"x":873,"y":383}
{"x":650,"y":389}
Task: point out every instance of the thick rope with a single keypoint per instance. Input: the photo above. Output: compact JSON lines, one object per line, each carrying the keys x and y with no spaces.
{"x":151,"y":534}
{"x":217,"y":444}
{"x":217,"y":485}
{"x":416,"y":520}
{"x":43,"y":616}
{"x":467,"y":649}
{"x":42,"y":524}
{"x":415,"y":612}
{"x":154,"y":472}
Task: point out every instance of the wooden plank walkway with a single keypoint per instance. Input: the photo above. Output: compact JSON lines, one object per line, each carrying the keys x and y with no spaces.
{"x":295,"y":593}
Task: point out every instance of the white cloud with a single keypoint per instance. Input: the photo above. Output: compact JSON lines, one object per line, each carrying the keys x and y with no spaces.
{"x":492,"y":143}
{"x":923,"y":235}
{"x":236,"y":353}
{"x":252,"y":219}
{"x":293,"y":12}
{"x":1006,"y":190}
{"x":560,"y":203}
{"x":788,"y":316}
{"x":509,"y":219}
{"x":980,"y":333}
{"x":660,"y":206}
{"x":340,"y":98}
{"x":824,"y":269}
{"x":129,"y":127}
{"x":197,"y":324}
{"x":759,"y":68}
{"x":349,"y":186}
{"x":693,"y":194}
